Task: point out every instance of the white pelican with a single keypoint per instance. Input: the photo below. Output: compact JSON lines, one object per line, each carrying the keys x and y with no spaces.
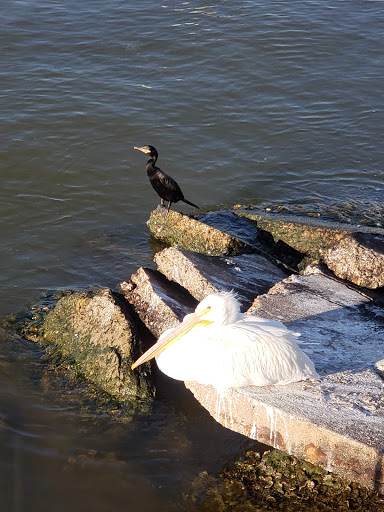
{"x":220,"y":346}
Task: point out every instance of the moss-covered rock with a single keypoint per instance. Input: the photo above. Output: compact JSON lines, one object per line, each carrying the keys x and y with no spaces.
{"x":277,"y":481}
{"x":99,"y":332}
{"x":179,"y":230}
{"x":308,"y":239}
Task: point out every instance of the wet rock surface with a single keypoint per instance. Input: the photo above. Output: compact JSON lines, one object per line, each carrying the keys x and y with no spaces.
{"x":98,"y":332}
{"x":276,"y":481}
{"x":367,"y":215}
{"x":261,"y":241}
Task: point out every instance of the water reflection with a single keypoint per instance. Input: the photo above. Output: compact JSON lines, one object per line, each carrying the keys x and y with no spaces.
{"x":64,"y":446}
{"x":248,"y":102}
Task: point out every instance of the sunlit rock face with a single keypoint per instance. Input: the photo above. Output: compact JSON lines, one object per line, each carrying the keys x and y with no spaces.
{"x":359,"y":258}
{"x":248,"y":275}
{"x":191,"y":234}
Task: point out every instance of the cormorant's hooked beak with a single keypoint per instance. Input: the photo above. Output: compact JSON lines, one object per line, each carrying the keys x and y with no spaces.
{"x":166,"y":341}
{"x":143,"y":149}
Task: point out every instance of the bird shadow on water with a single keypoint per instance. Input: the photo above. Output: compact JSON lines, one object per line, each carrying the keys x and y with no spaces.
{"x":203,"y":428}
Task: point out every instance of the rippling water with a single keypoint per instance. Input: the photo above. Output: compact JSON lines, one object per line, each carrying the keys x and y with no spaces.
{"x":253,"y":101}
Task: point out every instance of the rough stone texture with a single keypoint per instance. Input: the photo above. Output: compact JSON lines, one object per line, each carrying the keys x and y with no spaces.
{"x":188,"y":233}
{"x":307,"y":239}
{"x":359,"y":258}
{"x":260,"y":240}
{"x":355,"y":256}
{"x":247,"y":274}
{"x":337,"y":423}
{"x":161,"y":304}
{"x":95,"y":328}
{"x":379,"y":365}
{"x":277,"y":481}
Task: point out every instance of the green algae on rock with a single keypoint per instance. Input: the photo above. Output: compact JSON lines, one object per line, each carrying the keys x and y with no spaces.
{"x":99,"y":332}
{"x":179,"y":230}
{"x":95,"y":328}
{"x":305,"y":238}
{"x":277,"y":481}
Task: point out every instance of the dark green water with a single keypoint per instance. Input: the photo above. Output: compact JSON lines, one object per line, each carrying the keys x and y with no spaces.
{"x":252,"y":101}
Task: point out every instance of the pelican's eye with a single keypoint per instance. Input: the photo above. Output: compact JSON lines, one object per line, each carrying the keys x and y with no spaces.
{"x":205,"y":311}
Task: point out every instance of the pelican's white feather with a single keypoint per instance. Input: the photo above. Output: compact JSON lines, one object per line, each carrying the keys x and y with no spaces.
{"x":235,"y":349}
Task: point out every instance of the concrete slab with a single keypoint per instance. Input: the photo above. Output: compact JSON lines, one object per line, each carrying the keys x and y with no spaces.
{"x":247,"y":274}
{"x":338,"y":422}
{"x":160,"y":304}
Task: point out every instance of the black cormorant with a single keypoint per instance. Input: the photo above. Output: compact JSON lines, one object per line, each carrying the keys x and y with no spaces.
{"x":165,"y":186}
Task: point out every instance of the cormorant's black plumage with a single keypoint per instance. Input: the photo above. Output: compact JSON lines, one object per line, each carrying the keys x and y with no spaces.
{"x":165,"y":186}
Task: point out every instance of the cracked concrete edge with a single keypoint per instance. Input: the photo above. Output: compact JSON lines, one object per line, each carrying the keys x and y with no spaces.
{"x":334,"y":452}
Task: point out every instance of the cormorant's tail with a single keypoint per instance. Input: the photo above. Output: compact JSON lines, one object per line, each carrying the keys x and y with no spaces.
{"x":189,"y":202}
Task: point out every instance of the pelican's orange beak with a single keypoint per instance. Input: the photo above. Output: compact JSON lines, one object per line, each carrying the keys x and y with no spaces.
{"x":166,"y":340}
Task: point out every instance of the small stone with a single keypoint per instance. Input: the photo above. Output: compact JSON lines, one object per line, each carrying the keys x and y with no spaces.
{"x":266,"y":482}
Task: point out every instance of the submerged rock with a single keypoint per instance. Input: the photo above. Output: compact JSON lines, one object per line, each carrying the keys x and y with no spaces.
{"x":188,"y":233}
